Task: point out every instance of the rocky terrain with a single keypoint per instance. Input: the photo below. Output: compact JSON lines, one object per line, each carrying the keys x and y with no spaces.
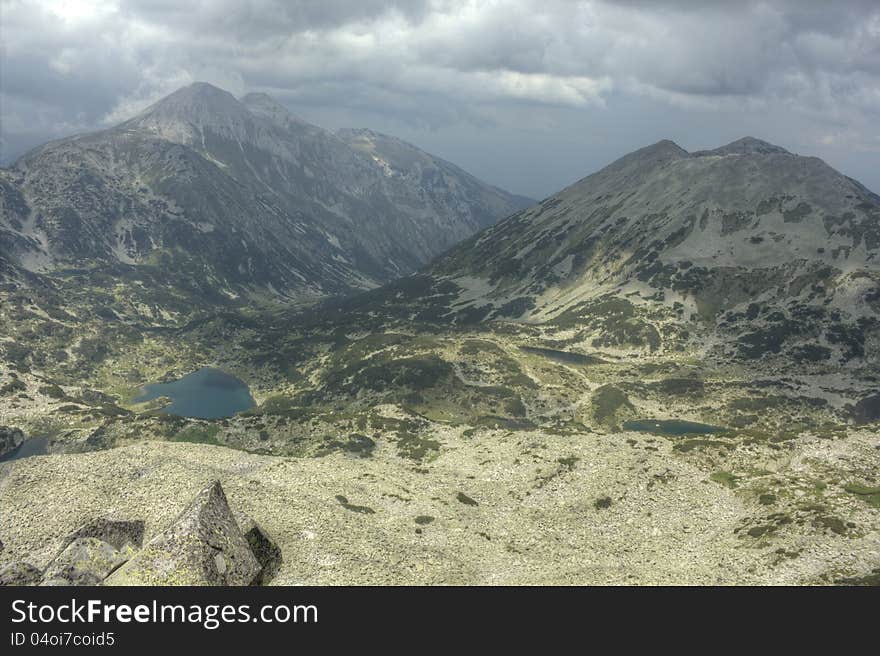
{"x":205,"y":545}
{"x":10,"y":439}
{"x":229,"y":197}
{"x":667,"y":373}
{"x":492,"y":507}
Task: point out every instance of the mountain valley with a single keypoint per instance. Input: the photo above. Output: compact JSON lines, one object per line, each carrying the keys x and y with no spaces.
{"x":666,"y":373}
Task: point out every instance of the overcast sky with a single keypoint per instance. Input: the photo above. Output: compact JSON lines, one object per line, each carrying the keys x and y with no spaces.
{"x":526,"y":94}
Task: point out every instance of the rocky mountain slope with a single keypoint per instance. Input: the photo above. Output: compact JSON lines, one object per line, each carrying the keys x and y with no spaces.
{"x":666,"y":373}
{"x":238,"y":194}
{"x":747,"y":251}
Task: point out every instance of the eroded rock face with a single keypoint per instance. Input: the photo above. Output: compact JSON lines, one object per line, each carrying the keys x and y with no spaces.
{"x":85,"y":561}
{"x":19,"y":573}
{"x":203,"y":546}
{"x":10,"y":439}
{"x":263,"y":546}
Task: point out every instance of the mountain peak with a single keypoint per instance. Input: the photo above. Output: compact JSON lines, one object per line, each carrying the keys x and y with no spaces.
{"x":199,"y":103}
{"x":663,"y":149}
{"x":198,"y":93}
{"x":665,"y":145}
{"x":746,"y":146}
{"x":644,"y":159}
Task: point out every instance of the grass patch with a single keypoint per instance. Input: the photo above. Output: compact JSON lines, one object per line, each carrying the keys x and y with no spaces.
{"x":724,"y":478}
{"x":871,"y":495}
{"x":198,"y":435}
{"x":465,"y":499}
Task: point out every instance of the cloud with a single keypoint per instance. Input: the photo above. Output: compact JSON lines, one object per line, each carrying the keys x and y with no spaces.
{"x":437,"y":63}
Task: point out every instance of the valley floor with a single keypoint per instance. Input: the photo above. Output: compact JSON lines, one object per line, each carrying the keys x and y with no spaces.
{"x":393,"y":451}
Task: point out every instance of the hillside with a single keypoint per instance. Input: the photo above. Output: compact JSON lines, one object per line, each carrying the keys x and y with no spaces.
{"x":666,"y":373}
{"x":237,"y":194}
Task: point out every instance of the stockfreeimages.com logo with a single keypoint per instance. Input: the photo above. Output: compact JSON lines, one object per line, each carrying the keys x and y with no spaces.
{"x":209,"y":616}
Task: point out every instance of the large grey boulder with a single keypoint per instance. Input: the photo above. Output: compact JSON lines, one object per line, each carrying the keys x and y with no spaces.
{"x":203,"y":546}
{"x":10,"y":439}
{"x":19,"y":573}
{"x":267,"y":553}
{"x":85,"y":561}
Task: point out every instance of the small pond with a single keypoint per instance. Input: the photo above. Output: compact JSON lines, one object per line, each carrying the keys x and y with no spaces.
{"x":204,"y":394}
{"x":672,"y":427}
{"x":35,"y":446}
{"x":563,"y":356}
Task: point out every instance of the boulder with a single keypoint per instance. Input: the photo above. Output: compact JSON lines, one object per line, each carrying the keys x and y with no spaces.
{"x":203,"y":546}
{"x":116,"y":532}
{"x":263,"y":547}
{"x":85,"y":561}
{"x":10,"y":439}
{"x":19,"y":573}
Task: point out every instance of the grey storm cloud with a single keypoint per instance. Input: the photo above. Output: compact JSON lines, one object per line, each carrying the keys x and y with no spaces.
{"x":442,"y":72}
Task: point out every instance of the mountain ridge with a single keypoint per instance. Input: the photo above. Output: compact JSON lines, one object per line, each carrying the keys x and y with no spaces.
{"x":690,"y":246}
{"x":315,"y":215}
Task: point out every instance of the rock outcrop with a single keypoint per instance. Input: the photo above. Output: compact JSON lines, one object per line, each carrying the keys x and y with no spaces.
{"x":10,"y":439}
{"x":205,"y":545}
{"x":118,"y":533}
{"x":85,"y":561}
{"x":20,"y":573}
{"x":263,"y":546}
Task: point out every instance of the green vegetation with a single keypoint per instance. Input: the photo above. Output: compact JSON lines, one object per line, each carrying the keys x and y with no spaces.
{"x":199,"y":434}
{"x":609,"y":403}
{"x":725,"y":478}
{"x":465,"y":499}
{"x":871,"y":495}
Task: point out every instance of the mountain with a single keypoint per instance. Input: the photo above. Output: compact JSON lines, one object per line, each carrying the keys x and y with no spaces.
{"x":744,"y":251}
{"x":239,"y":194}
{"x":666,"y":373}
{"x":440,"y":183}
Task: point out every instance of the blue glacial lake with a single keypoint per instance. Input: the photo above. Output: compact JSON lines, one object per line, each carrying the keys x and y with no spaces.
{"x":672,"y":427}
{"x":204,"y":394}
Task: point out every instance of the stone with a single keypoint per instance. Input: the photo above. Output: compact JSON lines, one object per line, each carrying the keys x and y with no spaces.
{"x":85,"y":561}
{"x":116,"y":532}
{"x":186,"y":553}
{"x":19,"y":573}
{"x":266,"y":551}
{"x":10,"y":439}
